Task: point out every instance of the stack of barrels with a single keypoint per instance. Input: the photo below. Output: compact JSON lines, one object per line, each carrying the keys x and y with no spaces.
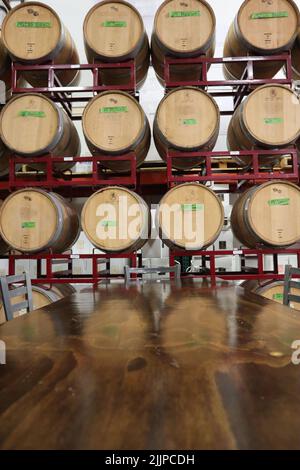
{"x":189,"y":216}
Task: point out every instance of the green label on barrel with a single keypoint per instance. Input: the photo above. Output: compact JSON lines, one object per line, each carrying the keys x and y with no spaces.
{"x":114,"y":24}
{"x":28,"y":224}
{"x":114,"y":109}
{"x":279,"y":202}
{"x":278,"y":297}
{"x":38,"y":114}
{"x":273,"y":120}
{"x":109,"y":223}
{"x":183,"y":14}
{"x":33,"y":24}
{"x":192,"y":207}
{"x":272,"y":14}
{"x":189,"y":122}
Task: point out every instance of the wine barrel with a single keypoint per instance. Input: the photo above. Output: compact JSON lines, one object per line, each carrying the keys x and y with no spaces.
{"x":268,"y":119}
{"x":182,"y":30}
{"x":42,"y":296}
{"x":190,"y":217}
{"x":32,"y":125}
{"x":34,"y":34}
{"x":296,"y":58}
{"x":114,"y":32}
{"x":265,"y":215}
{"x":116,"y":220}
{"x":261,"y":28}
{"x":272,"y":290}
{"x":187,"y":119}
{"x":114,"y":124}
{"x":34,"y":221}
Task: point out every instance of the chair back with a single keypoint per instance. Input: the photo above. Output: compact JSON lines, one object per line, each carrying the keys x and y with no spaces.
{"x":9,"y":291}
{"x":290,"y":284}
{"x":159,"y":271}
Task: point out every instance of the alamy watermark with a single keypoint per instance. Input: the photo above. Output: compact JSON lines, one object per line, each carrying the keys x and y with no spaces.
{"x":296,"y":354}
{"x":123,"y":221}
{"x":2,"y":353}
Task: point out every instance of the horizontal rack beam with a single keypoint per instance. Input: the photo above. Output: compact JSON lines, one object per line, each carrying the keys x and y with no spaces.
{"x":146,"y":177}
{"x":211,"y":256}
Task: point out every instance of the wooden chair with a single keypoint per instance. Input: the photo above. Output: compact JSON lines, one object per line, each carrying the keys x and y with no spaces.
{"x":159,"y":271}
{"x":9,"y":292}
{"x":290,"y":284}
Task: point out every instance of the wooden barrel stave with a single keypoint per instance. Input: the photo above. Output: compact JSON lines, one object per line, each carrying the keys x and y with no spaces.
{"x":262,"y":36}
{"x":123,"y":46}
{"x":296,"y":58}
{"x":168,"y":39}
{"x":268,"y":119}
{"x":30,"y":45}
{"x":68,"y":55}
{"x":114,"y":124}
{"x":187,"y":119}
{"x":122,"y":76}
{"x":178,"y":73}
{"x":197,"y":220}
{"x":34,"y":221}
{"x":105,"y":215}
{"x":32,"y":125}
{"x":264,"y":215}
{"x":235,"y":70}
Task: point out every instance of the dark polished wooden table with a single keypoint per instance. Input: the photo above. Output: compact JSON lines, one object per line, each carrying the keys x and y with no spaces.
{"x":155,"y":366}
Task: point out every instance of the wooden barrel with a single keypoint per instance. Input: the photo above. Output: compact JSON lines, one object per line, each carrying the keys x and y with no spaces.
{"x":32,"y":125}
{"x":182,"y":30}
{"x":114,"y":124}
{"x":34,"y":221}
{"x":34,"y":34}
{"x":296,"y":58}
{"x":265,"y":215}
{"x":116,"y":220}
{"x":190,"y":217}
{"x":268,"y":119}
{"x":42,"y":296}
{"x":261,"y":28}
{"x":187,"y":119}
{"x":114,"y":32}
{"x":272,"y":290}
